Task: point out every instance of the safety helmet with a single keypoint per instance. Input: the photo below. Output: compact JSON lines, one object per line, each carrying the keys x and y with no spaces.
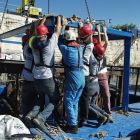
{"x":95,"y":41}
{"x":69,"y":35}
{"x":41,"y":30}
{"x":99,"y":50}
{"x":85,"y":31}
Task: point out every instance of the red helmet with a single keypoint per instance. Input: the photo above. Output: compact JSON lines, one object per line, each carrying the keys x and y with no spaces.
{"x":95,"y":41}
{"x":99,"y":50}
{"x":41,"y":30}
{"x":85,"y":31}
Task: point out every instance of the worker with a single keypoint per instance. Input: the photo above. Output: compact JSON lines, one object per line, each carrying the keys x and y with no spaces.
{"x":43,"y":53}
{"x":91,"y":90}
{"x":72,"y":54}
{"x":94,"y":67}
{"x":85,"y":33}
{"x":28,"y":96}
{"x":26,"y":37}
{"x":99,"y":52}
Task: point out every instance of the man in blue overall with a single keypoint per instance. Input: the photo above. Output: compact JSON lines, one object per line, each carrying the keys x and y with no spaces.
{"x":72,"y":54}
{"x":43,"y":53}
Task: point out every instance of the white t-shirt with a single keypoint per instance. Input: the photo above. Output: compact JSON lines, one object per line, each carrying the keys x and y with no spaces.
{"x":43,"y":72}
{"x":104,"y":70}
{"x":86,"y":58}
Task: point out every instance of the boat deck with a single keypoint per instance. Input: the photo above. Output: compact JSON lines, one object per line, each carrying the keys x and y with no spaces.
{"x":122,"y":126}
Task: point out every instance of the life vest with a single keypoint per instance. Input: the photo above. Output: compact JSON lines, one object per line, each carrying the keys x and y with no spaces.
{"x":31,"y":41}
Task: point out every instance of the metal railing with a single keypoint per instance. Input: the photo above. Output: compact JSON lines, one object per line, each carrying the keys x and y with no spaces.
{"x":116,"y":84}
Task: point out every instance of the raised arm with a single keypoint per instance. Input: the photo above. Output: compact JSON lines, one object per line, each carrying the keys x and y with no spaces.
{"x":105,"y":36}
{"x":99,"y":33}
{"x":58,"y":26}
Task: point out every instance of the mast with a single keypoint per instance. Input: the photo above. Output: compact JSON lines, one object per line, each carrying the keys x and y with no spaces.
{"x":88,"y":10}
{"x":4,"y":13}
{"x":48,"y":6}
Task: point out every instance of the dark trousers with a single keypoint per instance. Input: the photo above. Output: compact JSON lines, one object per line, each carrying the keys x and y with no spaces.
{"x":28,"y":97}
{"x":85,"y":100}
{"x":88,"y":100}
{"x":94,"y":109}
{"x":46,"y":88}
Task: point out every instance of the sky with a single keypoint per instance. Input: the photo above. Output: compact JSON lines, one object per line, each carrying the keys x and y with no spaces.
{"x":120,"y":11}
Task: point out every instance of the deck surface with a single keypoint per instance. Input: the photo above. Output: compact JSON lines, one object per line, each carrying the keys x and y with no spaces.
{"x":122,"y":126}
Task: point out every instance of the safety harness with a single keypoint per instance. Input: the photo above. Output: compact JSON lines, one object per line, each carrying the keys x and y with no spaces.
{"x":32,"y":39}
{"x":31,"y":69}
{"x":88,"y":65}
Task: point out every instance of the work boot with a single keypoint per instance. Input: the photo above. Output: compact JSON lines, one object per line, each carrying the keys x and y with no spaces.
{"x":32,"y":114}
{"x":101,"y":120}
{"x":82,"y":123}
{"x":70,"y":129}
{"x":109,"y":118}
{"x":39,"y":120}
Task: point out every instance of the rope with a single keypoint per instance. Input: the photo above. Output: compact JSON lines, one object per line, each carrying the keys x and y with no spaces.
{"x":88,"y":10}
{"x":3,"y":13}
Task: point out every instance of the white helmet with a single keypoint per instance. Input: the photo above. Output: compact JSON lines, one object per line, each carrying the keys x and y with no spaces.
{"x":70,"y":35}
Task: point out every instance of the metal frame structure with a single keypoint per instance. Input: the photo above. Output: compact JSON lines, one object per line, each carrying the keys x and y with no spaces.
{"x":113,"y":35}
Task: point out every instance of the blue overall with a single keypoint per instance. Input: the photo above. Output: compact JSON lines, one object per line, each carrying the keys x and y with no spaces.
{"x":74,"y":80}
